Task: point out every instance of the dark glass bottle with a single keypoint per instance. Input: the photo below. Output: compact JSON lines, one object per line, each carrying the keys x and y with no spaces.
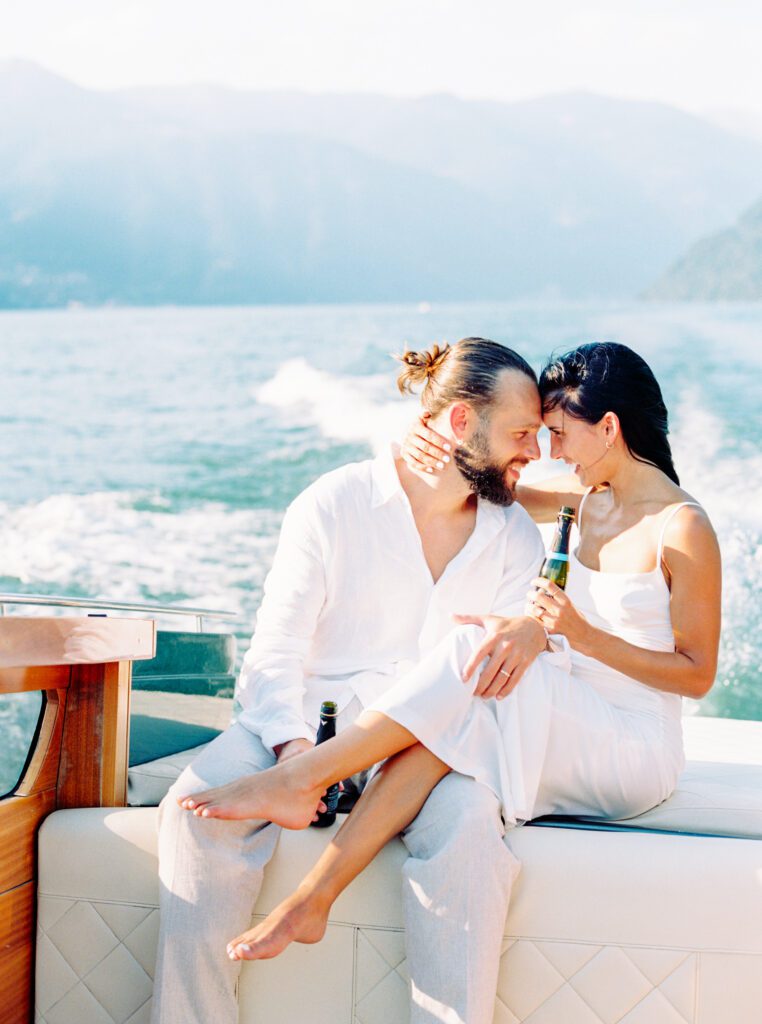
{"x":327,"y":730}
{"x":556,"y":565}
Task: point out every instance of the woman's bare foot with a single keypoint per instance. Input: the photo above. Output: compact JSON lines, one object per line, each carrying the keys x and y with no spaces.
{"x":302,"y":917}
{"x":277,"y":794}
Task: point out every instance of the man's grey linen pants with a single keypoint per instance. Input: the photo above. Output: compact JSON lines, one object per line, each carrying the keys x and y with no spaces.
{"x":456,"y":889}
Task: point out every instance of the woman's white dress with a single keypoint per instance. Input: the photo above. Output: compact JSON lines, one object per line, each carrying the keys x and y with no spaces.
{"x":575,"y":736}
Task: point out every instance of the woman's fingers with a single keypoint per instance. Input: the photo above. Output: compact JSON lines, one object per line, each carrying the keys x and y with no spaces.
{"x":428,"y":454}
{"x":430,"y":437}
{"x":551,"y":589}
{"x":430,"y":448}
{"x":541,"y":604}
{"x":411,"y":457}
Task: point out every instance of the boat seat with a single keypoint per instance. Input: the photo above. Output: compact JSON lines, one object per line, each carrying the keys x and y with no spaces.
{"x":639,"y":925}
{"x":147,"y":784}
{"x":604,"y":927}
{"x":719,"y":793}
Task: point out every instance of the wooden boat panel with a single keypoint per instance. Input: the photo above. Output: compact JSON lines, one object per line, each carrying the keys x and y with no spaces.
{"x":68,"y":640}
{"x":80,"y":758}
{"x":16,"y":952}
{"x":19,"y":818}
{"x":96,"y":722}
{"x":25,"y":679}
{"x":42,"y":770}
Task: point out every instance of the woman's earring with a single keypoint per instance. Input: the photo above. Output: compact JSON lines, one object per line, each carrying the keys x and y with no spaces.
{"x":609,"y":444}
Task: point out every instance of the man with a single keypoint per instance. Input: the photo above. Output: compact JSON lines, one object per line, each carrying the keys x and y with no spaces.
{"x":373,"y":561}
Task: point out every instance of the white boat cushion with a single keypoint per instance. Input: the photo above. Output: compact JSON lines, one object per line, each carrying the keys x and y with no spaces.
{"x":711,"y":799}
{"x":719,"y":793}
{"x":147,"y":784}
{"x":604,"y":927}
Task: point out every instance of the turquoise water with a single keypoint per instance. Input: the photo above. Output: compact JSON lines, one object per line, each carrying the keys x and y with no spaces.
{"x":149,"y":454}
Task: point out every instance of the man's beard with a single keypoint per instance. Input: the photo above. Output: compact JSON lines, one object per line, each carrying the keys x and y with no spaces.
{"x":484,"y":476}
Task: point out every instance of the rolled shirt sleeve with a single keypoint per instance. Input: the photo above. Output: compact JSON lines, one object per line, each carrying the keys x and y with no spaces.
{"x":271,"y":685}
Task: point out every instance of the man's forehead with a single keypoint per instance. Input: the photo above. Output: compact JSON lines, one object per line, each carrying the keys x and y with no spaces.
{"x":515,"y":417}
{"x":518,"y":401}
{"x":515,"y":383}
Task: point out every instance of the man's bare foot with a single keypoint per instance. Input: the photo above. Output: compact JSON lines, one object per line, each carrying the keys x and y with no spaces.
{"x":302,"y":917}
{"x":276,"y":795}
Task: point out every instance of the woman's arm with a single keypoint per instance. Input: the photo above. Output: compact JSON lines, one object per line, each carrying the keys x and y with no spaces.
{"x":692,"y":558}
{"x":543,"y":499}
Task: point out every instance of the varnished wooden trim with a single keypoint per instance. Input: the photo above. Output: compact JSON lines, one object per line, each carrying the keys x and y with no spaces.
{"x":70,"y":640}
{"x":19,"y":818}
{"x":17,"y":909}
{"x":115,"y":754}
{"x":25,"y":680}
{"x":94,"y":746}
{"x":42,"y":770}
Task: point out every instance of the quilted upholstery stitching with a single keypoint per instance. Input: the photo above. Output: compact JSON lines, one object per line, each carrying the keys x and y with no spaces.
{"x":89,"y":899}
{"x":552,"y":967}
{"x":651,"y":987}
{"x":381,"y":953}
{"x":624,"y":1014}
{"x":82,"y":979}
{"x":510,"y":944}
{"x":105,"y":1008}
{"x":140,"y":1007}
{"x":71,"y":987}
{"x":392,"y":969}
{"x":141,"y":922}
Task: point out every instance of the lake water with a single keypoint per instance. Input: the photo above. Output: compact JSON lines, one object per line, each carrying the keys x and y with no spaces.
{"x":149,"y":454}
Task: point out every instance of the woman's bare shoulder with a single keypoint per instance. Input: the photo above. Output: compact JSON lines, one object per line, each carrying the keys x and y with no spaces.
{"x":690,"y":549}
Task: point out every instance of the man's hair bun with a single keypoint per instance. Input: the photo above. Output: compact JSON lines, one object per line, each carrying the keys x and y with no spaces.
{"x":420,"y":367}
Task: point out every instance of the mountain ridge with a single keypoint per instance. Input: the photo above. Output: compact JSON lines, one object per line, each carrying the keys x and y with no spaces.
{"x":209,"y":194}
{"x":723,"y":267}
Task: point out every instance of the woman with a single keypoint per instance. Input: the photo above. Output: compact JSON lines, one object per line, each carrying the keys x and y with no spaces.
{"x":600,"y":736}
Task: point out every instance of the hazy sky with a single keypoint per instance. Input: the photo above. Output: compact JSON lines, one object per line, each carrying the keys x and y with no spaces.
{"x":697,"y":54}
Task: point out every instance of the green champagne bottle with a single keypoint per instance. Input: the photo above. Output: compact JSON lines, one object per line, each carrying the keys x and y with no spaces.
{"x":556,"y":565}
{"x":327,"y":730}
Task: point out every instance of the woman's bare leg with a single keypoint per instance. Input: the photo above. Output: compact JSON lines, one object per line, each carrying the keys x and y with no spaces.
{"x":391,"y":800}
{"x":289,"y":793}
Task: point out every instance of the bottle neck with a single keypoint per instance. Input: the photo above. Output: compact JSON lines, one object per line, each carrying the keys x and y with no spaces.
{"x":327,"y":728}
{"x":562,"y":535}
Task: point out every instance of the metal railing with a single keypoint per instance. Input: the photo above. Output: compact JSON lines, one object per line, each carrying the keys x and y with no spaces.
{"x":55,"y":601}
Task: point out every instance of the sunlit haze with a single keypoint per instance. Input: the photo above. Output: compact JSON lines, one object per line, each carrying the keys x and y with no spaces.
{"x":697,"y":55}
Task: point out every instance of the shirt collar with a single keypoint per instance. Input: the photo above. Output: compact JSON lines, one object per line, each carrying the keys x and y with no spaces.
{"x":386,"y":481}
{"x":386,"y":484}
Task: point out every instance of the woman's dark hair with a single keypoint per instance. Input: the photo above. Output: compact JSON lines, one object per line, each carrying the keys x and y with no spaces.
{"x":468,"y":371}
{"x":607,"y":377}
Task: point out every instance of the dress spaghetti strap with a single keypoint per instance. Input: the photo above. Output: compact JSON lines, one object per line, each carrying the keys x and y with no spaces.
{"x":668,"y":519}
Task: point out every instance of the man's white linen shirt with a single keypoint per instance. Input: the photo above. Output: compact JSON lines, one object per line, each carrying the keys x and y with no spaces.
{"x":350,"y":603}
